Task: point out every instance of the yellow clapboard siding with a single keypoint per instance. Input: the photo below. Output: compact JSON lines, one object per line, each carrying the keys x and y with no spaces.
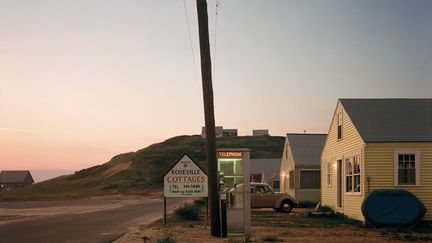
{"x":380,"y":168}
{"x":334,"y":149}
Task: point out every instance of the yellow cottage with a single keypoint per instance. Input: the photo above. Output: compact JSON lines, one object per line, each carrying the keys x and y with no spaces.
{"x":377,"y":144}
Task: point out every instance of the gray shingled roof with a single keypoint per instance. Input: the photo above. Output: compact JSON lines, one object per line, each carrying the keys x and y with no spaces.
{"x":306,"y":148}
{"x":13,"y":176}
{"x":391,"y":120}
{"x":267,"y":166}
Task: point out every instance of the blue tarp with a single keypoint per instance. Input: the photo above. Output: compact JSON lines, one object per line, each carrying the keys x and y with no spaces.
{"x":392,"y":208}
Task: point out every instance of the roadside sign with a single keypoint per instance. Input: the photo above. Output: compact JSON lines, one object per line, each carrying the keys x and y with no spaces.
{"x":185,"y":179}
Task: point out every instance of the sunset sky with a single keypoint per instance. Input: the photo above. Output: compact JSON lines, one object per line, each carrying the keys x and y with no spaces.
{"x":83,"y":80}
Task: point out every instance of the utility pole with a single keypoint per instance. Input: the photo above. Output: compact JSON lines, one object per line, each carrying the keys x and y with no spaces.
{"x":213,"y":193}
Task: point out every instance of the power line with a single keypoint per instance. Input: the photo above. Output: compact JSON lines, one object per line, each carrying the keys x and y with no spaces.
{"x":215,"y":38}
{"x":190,"y":40}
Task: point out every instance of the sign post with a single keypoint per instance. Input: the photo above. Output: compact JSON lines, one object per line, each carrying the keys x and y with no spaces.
{"x":185,"y":179}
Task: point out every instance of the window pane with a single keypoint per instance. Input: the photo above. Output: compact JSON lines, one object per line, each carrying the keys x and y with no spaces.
{"x":356,"y":167}
{"x":238,"y":180}
{"x":276,"y":185}
{"x":348,"y":183}
{"x":227,"y":167}
{"x":401,"y":176}
{"x":412,"y":165}
{"x":348,"y":167}
{"x":357,"y":183}
{"x":239,"y":166}
{"x":229,"y":183}
{"x":412,"y":157}
{"x":411,"y":176}
{"x":400,"y":157}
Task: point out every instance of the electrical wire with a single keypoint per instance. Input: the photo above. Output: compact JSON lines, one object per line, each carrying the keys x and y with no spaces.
{"x":191,"y":43}
{"x":215,"y":40}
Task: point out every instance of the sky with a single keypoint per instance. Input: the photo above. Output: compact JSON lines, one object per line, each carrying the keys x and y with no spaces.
{"x":82,"y":81}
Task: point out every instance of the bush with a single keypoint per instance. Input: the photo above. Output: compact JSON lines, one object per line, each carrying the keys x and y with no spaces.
{"x":200,"y":202}
{"x":270,"y":238}
{"x":306,"y":204}
{"x":167,"y":239}
{"x":189,"y":211}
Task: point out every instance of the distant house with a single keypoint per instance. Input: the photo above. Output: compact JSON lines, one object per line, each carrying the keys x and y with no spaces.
{"x":300,"y":166}
{"x":260,"y":132}
{"x":218,"y":131}
{"x":229,"y":132}
{"x":221,"y":132}
{"x":10,"y":179}
{"x":265,"y":170}
{"x":377,"y":144}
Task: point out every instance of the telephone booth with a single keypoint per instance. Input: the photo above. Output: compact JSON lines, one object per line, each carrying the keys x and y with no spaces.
{"x":234,"y":166}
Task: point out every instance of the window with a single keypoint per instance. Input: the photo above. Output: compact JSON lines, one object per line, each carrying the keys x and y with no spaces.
{"x":339,"y":126}
{"x":329,"y":173}
{"x":263,"y":189}
{"x":407,"y":167}
{"x":256,"y":177}
{"x":310,"y":179}
{"x":291,"y":180}
{"x":276,"y":185}
{"x":352,"y":174}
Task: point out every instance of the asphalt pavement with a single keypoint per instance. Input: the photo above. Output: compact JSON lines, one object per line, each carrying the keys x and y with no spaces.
{"x":99,"y":226}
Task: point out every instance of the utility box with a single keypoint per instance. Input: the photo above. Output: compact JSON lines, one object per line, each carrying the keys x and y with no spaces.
{"x":234,"y":165}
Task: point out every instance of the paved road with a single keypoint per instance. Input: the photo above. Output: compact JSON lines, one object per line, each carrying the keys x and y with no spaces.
{"x":98,"y":226}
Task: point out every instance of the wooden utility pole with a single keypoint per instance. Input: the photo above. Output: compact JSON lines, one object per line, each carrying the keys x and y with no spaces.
{"x":213,"y":191}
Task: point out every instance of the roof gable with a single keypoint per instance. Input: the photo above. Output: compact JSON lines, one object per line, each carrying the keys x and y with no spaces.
{"x":391,"y":120}
{"x":306,"y":148}
{"x":14,"y":176}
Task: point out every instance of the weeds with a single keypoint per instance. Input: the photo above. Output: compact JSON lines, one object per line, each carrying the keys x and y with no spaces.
{"x":189,"y":211}
{"x":167,"y":239}
{"x":270,"y":238}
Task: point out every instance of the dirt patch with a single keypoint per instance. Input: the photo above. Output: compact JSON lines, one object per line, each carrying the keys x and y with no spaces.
{"x":279,"y":227}
{"x":117,"y":168}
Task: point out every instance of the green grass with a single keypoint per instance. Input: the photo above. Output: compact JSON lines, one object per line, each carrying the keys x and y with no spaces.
{"x":147,"y":168}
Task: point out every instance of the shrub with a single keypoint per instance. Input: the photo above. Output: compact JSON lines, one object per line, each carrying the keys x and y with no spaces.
{"x":167,"y":239}
{"x":189,"y":211}
{"x":325,"y":208}
{"x":200,"y":202}
{"x":270,"y":238}
{"x":306,"y":204}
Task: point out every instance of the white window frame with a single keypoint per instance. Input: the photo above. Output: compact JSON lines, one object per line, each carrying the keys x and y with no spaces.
{"x":329,"y":174}
{"x":359,"y":155}
{"x":416,"y":152}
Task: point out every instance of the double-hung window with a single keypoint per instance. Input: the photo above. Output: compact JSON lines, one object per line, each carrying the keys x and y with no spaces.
{"x":353,"y":174}
{"x":407,"y":167}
